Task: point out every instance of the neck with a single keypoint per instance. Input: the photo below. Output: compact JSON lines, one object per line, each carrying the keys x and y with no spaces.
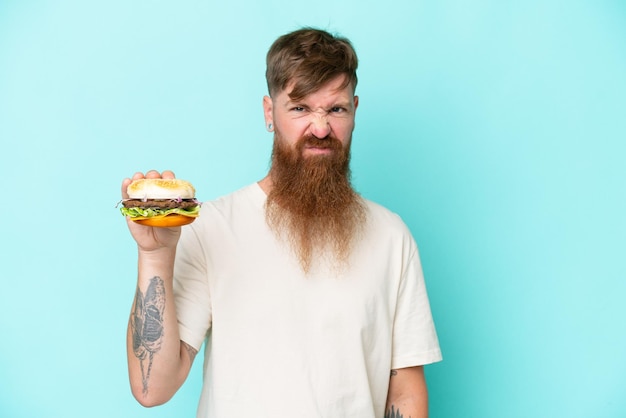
{"x":266,"y":184}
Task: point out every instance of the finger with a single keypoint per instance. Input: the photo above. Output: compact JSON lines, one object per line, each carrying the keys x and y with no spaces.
{"x":153,"y":174}
{"x":168,"y":174}
{"x":138,"y":175}
{"x":125,"y":184}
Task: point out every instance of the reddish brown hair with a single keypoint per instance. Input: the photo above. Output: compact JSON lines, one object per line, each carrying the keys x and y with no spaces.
{"x":310,"y":58}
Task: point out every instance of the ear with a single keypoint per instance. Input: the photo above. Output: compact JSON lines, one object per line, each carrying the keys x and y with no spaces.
{"x":268,"y":111}
{"x":356,"y":102}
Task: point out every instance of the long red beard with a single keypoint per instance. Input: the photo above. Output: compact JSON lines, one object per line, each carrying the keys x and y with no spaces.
{"x":312,"y":203}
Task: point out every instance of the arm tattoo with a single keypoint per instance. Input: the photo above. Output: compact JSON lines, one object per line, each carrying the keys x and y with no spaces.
{"x":146,"y":323}
{"x":393,"y":413}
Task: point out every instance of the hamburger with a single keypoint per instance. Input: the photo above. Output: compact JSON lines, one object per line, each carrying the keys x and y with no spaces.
{"x":161,"y":202}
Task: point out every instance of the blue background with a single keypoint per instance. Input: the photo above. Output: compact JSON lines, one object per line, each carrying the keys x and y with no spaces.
{"x":496,"y":129}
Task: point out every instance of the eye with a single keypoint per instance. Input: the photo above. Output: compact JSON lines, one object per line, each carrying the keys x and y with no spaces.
{"x":298,"y":109}
{"x":337,"y":109}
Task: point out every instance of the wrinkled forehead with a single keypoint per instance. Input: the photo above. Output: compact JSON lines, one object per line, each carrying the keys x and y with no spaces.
{"x":298,"y":88}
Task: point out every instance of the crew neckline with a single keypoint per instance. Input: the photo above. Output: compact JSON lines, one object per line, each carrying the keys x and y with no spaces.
{"x":257,"y":194}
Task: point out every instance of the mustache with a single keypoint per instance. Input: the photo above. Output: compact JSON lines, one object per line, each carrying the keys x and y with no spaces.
{"x":330,"y":142}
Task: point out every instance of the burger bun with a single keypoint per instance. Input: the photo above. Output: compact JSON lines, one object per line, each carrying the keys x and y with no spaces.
{"x":160,"y":189}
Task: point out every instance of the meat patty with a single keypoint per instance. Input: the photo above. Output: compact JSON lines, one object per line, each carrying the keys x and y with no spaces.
{"x":160,"y":203}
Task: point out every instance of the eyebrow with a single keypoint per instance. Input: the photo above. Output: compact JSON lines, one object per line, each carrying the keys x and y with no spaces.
{"x":345,"y":104}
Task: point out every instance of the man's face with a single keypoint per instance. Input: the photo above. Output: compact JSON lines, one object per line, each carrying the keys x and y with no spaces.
{"x":311,"y":201}
{"x":329,"y":112}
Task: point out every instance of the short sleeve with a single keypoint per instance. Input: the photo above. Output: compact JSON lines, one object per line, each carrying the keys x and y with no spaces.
{"x":415,"y":341}
{"x":192,"y":294}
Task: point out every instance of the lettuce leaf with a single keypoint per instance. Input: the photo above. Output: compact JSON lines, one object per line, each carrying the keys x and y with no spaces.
{"x":153,"y":213}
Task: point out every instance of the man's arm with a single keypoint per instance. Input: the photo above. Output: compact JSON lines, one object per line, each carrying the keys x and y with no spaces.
{"x":158,"y":361}
{"x":408,"y":395}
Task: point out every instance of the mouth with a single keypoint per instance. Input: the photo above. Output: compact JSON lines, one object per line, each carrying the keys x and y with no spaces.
{"x":312,"y":146}
{"x":313,"y":150}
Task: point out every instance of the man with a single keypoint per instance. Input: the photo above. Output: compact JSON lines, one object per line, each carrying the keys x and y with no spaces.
{"x":309,"y":298}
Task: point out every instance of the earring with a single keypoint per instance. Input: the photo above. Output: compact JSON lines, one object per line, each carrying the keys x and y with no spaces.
{"x":269,"y":127}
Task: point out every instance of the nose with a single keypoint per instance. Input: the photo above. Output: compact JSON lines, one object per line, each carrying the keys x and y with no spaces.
{"x":320,"y":128}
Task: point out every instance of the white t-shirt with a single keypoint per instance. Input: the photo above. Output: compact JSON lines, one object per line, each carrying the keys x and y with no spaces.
{"x":282,"y":344}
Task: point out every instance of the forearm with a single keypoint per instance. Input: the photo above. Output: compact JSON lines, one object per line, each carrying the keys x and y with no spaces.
{"x":158,"y":362}
{"x":408,"y":394}
{"x":409,"y":407}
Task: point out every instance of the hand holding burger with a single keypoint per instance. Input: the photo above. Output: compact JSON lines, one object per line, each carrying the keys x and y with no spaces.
{"x":160,"y":202}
